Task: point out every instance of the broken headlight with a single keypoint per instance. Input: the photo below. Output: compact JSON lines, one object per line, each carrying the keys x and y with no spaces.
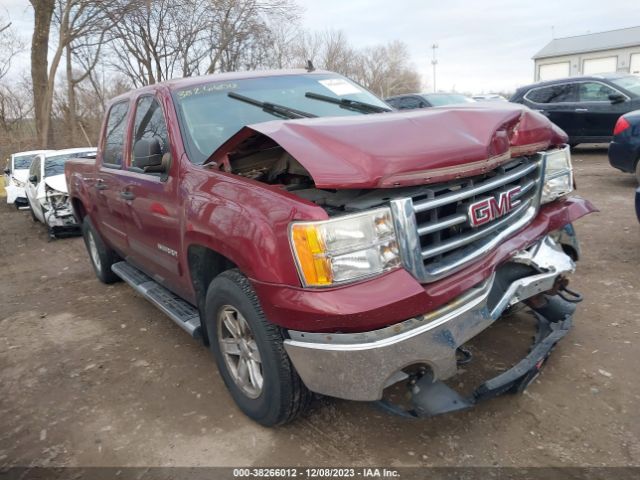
{"x":558,"y":175}
{"x":345,"y":249}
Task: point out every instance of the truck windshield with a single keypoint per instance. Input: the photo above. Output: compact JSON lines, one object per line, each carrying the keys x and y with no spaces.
{"x":22,"y":161}
{"x":54,"y":165}
{"x":209,"y":117}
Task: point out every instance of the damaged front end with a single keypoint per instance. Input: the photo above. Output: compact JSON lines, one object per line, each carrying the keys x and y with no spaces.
{"x":424,"y":351}
{"x":57,"y":212}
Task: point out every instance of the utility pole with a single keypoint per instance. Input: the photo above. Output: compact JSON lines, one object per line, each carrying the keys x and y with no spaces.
{"x":434,"y":62}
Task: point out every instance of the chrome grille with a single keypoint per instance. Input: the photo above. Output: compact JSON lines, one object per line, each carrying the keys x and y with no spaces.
{"x":437,"y":237}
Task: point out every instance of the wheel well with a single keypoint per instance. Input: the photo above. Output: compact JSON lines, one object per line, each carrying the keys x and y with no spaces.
{"x":204,"y":265}
{"x":78,"y":209}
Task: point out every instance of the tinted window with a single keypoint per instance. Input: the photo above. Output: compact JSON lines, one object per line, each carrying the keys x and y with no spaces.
{"x":553,"y":94}
{"x":410,"y":102}
{"x":594,"y":92}
{"x":149,"y":123}
{"x":22,"y":161}
{"x":114,"y":139}
{"x":394,"y":102}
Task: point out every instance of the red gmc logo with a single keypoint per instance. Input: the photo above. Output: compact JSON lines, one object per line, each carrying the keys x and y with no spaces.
{"x":489,"y":209}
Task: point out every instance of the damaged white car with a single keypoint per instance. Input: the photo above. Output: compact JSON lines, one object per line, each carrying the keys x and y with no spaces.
{"x":46,"y":190}
{"x":16,"y":174}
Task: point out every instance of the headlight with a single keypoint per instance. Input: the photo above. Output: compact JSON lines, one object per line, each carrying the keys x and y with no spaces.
{"x":558,"y":175}
{"x":18,"y":183}
{"x":345,"y":249}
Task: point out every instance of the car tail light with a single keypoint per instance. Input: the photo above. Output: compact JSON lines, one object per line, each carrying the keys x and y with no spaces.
{"x":621,"y":125}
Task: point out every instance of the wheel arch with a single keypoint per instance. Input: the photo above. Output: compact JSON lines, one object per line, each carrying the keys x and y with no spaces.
{"x":204,"y":265}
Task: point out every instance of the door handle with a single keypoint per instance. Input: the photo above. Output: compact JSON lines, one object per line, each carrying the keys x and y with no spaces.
{"x":127,"y":195}
{"x":582,"y":110}
{"x":100,"y":185}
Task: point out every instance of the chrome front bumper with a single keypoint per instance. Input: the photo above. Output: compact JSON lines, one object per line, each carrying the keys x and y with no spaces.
{"x":360,"y":366}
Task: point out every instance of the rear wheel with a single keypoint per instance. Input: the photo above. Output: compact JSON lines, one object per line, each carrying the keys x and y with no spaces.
{"x":250,"y":353}
{"x":101,"y":256}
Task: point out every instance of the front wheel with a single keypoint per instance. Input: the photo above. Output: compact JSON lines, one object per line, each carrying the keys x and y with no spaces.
{"x":250,"y":353}
{"x":101,"y":256}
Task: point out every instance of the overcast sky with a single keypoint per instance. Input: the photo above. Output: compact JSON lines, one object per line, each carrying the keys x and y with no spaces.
{"x":483,"y":45}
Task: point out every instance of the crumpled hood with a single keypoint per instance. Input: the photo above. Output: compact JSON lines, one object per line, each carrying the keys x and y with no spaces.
{"x":408,"y":147}
{"x":57,"y":182}
{"x":21,"y":174}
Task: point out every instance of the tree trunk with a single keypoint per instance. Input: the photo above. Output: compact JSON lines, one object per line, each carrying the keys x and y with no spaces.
{"x":43,"y":10}
{"x":72,"y":118}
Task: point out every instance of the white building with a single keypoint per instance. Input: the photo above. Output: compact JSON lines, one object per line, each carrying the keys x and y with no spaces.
{"x":590,"y":54}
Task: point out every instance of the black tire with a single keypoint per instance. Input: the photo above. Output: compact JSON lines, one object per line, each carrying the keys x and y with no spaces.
{"x":283,"y":396}
{"x":103,"y":258}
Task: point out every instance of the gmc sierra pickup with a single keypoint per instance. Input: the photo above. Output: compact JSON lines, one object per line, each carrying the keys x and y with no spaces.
{"x":319,"y":242}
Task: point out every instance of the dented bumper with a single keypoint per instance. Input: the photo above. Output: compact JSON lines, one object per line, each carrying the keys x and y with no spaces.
{"x":359,"y":366}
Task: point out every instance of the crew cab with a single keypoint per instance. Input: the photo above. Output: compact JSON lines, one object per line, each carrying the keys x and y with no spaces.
{"x":318,"y":242}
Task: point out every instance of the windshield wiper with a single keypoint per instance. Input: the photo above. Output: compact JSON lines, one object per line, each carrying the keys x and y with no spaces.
{"x":362,"y":107}
{"x":274,"y":108}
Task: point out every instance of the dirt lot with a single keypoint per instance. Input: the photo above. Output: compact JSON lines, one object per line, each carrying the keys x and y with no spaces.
{"x":94,"y":375}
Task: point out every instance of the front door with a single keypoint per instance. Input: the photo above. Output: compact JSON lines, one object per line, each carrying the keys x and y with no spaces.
{"x":600,"y":115}
{"x":153,"y":213}
{"x":108,"y":182}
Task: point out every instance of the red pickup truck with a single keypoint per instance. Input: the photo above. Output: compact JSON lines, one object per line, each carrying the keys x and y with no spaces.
{"x":318,"y":241}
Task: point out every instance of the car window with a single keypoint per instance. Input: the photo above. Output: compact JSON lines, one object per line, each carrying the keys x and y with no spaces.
{"x":630,"y":83}
{"x":114,"y":138}
{"x":409,"y":103}
{"x":563,"y":93}
{"x":150,"y":123}
{"x":594,"y":92}
{"x":34,"y":169}
{"x":22,"y":161}
{"x":54,"y":165}
{"x":394,"y":102}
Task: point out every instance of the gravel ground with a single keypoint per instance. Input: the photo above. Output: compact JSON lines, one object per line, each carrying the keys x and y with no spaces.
{"x":94,"y":375}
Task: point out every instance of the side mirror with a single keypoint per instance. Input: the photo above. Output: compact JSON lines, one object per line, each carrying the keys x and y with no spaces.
{"x":147,"y":155}
{"x":617,"y":98}
{"x":7,"y":171}
{"x":33,"y":179}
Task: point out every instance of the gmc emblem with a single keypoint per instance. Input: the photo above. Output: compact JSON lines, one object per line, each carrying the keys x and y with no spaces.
{"x":488,"y":209}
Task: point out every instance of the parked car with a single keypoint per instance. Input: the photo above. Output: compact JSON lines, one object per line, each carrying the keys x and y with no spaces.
{"x":425,"y":100}
{"x":624,"y":149}
{"x":16,"y":174}
{"x":340,"y":254}
{"x":46,"y":190}
{"x":489,"y":97}
{"x":586,"y":108}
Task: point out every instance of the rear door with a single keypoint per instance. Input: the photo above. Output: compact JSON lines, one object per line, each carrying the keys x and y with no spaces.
{"x":600,"y":115}
{"x":559,"y":103}
{"x":112,"y":209}
{"x":153,"y":207}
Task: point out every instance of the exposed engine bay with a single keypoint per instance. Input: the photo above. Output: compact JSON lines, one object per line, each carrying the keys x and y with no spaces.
{"x":273,"y":165}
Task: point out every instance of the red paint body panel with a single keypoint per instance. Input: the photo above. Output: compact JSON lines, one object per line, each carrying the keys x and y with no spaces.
{"x":397,"y":296}
{"x":406,"y":148}
{"x":247,"y":221}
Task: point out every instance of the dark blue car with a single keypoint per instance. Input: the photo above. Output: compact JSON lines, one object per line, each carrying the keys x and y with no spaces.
{"x":624,"y":149}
